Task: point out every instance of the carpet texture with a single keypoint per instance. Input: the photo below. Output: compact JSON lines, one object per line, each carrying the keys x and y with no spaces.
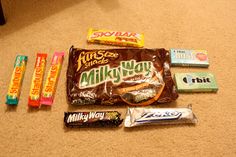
{"x":54,"y":25}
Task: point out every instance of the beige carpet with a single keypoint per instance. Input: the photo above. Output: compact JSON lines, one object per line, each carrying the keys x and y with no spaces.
{"x":47,"y":26}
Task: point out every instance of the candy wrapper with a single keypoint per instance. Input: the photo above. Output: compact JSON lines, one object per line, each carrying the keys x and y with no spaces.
{"x":37,"y":80}
{"x":92,"y":119}
{"x":193,"y":58}
{"x":115,"y":38}
{"x":158,"y":116}
{"x":49,"y":88}
{"x":196,"y":82}
{"x":136,"y":77}
{"x":13,"y":94}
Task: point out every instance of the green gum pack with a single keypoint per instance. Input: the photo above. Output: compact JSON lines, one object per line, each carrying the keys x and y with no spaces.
{"x":196,"y":82}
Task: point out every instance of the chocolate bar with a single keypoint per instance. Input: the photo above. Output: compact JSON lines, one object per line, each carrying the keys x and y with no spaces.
{"x":115,"y":38}
{"x":119,"y":76}
{"x":181,"y":57}
{"x":196,"y":82}
{"x":157,"y":116}
{"x":92,"y":119}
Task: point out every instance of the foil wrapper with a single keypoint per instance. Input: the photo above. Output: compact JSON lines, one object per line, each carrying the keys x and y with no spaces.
{"x":157,"y":116}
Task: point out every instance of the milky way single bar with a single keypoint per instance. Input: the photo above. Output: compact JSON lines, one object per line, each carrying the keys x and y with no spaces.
{"x":181,"y":57}
{"x":115,"y":38}
{"x":158,"y":116}
{"x":13,"y":94}
{"x":92,"y":119}
{"x":196,"y":82}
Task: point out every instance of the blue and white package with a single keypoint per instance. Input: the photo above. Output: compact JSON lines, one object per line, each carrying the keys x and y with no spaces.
{"x":181,"y":57}
{"x":137,"y":116}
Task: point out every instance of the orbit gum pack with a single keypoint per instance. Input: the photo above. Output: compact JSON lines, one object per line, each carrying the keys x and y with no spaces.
{"x":115,"y":38}
{"x":181,"y":57}
{"x":13,"y":94}
{"x":196,"y":82}
{"x":37,"y":80}
{"x":49,"y":88}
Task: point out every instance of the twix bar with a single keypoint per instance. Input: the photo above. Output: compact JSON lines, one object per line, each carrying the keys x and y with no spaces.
{"x":37,"y":80}
{"x":49,"y":88}
{"x":13,"y":94}
{"x":115,"y":38}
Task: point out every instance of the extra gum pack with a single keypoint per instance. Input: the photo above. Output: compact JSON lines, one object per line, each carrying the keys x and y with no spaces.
{"x":193,"y":58}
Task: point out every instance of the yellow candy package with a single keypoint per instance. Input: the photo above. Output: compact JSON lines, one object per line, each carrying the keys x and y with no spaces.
{"x":127,"y":39}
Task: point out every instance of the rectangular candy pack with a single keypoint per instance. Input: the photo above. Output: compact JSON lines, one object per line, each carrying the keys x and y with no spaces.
{"x":128,"y":76}
{"x":159,"y":116}
{"x":49,"y":88}
{"x":181,"y":57}
{"x":37,"y":80}
{"x":196,"y":82}
{"x":92,"y":119}
{"x":115,"y":38}
{"x":13,"y":94}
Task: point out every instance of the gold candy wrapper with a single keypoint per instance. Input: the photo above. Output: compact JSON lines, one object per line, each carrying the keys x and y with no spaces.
{"x":157,"y":116}
{"x":115,"y":38}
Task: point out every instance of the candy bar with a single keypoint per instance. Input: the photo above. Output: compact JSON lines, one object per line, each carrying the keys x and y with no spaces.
{"x":49,"y":88}
{"x":115,"y":38}
{"x":197,"y":58}
{"x":13,"y":94}
{"x":157,"y":116}
{"x":119,"y":76}
{"x":196,"y":82}
{"x":37,"y":80}
{"x":92,"y":119}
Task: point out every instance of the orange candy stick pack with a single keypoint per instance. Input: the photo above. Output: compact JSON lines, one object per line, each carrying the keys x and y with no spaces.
{"x":37,"y":80}
{"x":49,"y":88}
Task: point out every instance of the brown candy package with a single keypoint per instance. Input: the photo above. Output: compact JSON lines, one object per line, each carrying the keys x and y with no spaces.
{"x":130,"y":76}
{"x":92,"y":119}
